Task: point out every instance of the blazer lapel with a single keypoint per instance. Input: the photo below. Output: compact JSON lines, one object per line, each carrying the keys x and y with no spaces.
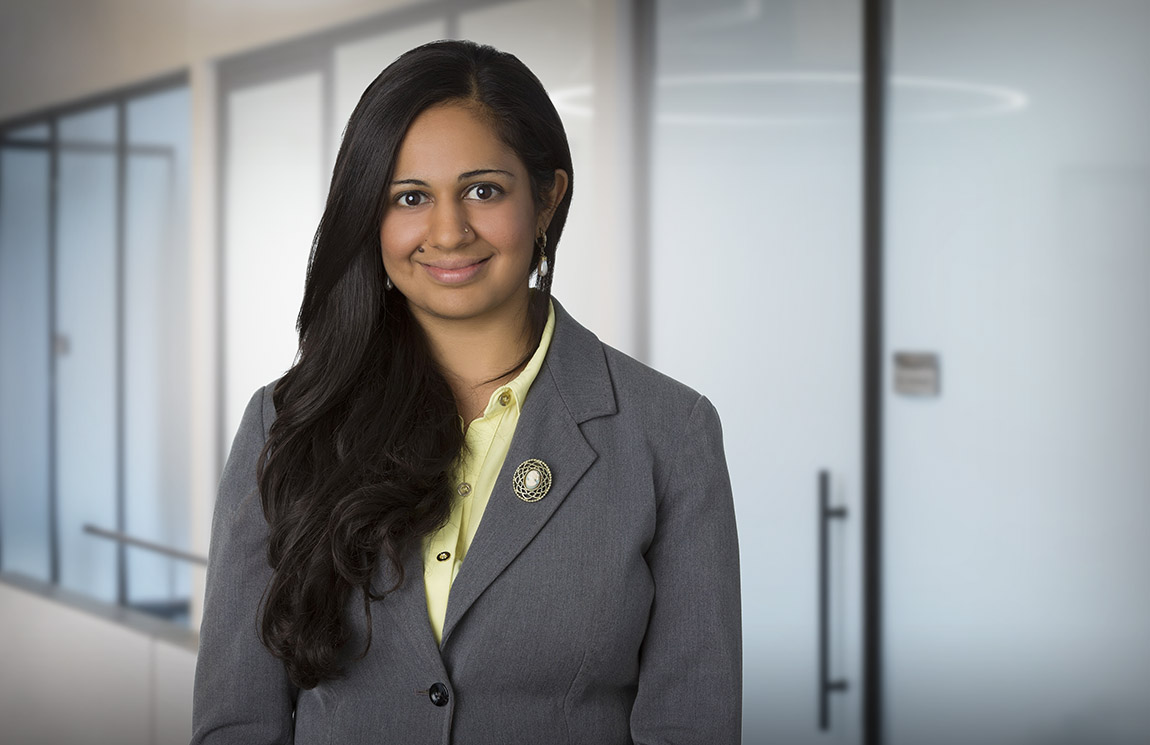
{"x":573,"y":386}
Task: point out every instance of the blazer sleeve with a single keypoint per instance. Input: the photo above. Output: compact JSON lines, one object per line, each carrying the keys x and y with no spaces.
{"x":242,"y":692}
{"x":690,"y":667}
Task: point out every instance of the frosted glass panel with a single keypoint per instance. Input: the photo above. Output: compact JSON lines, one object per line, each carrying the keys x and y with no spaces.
{"x":755,"y":297}
{"x":1019,"y":250}
{"x":86,"y":357}
{"x":24,"y":358}
{"x":554,"y":38}
{"x":275,"y":197}
{"x":157,"y":360}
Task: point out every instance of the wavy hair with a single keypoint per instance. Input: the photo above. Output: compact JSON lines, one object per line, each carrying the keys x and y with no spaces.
{"x":357,"y":463}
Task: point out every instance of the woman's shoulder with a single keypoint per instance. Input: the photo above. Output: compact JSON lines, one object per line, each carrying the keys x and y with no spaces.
{"x":256,"y":420}
{"x":261,"y":409}
{"x":637,"y":388}
{"x":634,"y":378}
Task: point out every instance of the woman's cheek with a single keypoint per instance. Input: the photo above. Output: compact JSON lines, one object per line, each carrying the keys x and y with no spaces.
{"x":507,"y":230}
{"x":399,"y":238}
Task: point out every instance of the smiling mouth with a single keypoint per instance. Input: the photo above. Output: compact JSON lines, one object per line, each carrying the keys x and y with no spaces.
{"x":454,"y":274}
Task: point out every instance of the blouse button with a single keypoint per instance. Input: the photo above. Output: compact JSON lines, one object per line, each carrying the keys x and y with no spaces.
{"x":464,"y":489}
{"x":443,"y":556}
{"x":504,"y":398}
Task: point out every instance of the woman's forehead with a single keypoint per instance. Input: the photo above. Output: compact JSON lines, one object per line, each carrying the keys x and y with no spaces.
{"x":449,"y":140}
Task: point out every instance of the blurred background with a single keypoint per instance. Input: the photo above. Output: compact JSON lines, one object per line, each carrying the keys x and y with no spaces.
{"x":943,"y":501}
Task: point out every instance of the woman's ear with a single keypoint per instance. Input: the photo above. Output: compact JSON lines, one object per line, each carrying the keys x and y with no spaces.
{"x":555,"y":195}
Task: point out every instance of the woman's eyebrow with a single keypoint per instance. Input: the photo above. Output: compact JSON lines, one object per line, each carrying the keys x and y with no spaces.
{"x":484,"y":172}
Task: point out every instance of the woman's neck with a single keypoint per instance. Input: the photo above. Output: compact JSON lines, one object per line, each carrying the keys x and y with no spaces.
{"x":478,"y":355}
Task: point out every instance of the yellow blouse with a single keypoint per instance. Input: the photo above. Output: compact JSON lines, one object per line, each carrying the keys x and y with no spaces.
{"x":485,"y":448}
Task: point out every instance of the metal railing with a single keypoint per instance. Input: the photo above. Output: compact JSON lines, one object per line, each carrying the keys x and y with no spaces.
{"x":158,"y":548}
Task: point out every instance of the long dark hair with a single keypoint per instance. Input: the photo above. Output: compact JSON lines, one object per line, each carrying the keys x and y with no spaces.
{"x":356,"y":467}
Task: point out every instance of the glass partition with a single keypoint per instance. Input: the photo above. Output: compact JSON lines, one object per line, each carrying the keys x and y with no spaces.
{"x":157,"y":360}
{"x":25,"y":370}
{"x":1019,"y":254}
{"x":87,"y":347}
{"x":94,"y":359}
{"x":275,"y":185}
{"x":755,"y":265}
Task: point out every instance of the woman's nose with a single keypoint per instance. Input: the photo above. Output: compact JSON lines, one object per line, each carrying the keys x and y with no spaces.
{"x":448,"y":229}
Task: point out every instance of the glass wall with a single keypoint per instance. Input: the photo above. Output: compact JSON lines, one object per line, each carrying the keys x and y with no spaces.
{"x":26,"y":528}
{"x":86,"y":291}
{"x":274,"y":191}
{"x":1015,"y":494}
{"x":93,"y":352}
{"x":156,"y":366}
{"x":1018,"y":252}
{"x":755,"y":267}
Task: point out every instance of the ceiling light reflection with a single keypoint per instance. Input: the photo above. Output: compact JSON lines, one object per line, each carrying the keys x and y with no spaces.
{"x":979,"y":99}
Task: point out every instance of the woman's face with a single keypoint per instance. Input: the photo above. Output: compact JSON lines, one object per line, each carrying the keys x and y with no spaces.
{"x":458,"y":231}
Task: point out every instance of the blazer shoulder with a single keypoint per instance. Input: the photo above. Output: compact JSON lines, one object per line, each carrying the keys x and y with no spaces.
{"x":598,"y":380}
{"x":666,"y":411}
{"x":635,"y":380}
{"x":267,"y":405}
{"x":238,"y":480}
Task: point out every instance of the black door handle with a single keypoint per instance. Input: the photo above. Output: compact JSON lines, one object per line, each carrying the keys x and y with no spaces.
{"x":827,"y":686}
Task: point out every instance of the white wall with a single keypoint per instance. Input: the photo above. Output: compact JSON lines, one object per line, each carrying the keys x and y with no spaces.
{"x":71,"y":676}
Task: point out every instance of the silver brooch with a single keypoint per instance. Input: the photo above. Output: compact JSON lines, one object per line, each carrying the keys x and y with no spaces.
{"x":531,"y":480}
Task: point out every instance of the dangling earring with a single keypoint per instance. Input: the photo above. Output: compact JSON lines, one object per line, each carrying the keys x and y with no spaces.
{"x":541,"y":244}
{"x":387,"y":283}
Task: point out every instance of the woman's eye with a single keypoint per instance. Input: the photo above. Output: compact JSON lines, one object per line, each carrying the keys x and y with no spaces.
{"x":409,"y":199}
{"x":483,"y":192}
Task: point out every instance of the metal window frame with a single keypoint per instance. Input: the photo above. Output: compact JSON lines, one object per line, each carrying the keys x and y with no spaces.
{"x":643,"y":29}
{"x":876,"y":53}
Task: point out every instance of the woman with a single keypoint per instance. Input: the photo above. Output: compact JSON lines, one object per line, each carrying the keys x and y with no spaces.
{"x":459,"y":517}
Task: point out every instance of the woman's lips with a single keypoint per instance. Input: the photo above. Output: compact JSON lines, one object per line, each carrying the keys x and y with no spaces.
{"x":454,"y":273}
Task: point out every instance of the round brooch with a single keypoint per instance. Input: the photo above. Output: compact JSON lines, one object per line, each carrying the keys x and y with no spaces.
{"x":531,"y":480}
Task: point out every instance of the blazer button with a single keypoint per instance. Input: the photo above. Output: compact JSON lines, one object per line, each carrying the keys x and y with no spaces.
{"x":438,"y":694}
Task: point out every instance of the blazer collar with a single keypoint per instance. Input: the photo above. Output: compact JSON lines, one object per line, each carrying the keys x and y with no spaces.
{"x":578,"y":366}
{"x":573,"y":387}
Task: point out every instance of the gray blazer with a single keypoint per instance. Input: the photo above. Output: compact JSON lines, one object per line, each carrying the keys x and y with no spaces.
{"x":605,"y":613}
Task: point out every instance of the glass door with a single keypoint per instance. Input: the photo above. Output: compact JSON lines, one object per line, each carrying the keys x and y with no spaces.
{"x":754,"y":266}
{"x":1018,"y":270}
